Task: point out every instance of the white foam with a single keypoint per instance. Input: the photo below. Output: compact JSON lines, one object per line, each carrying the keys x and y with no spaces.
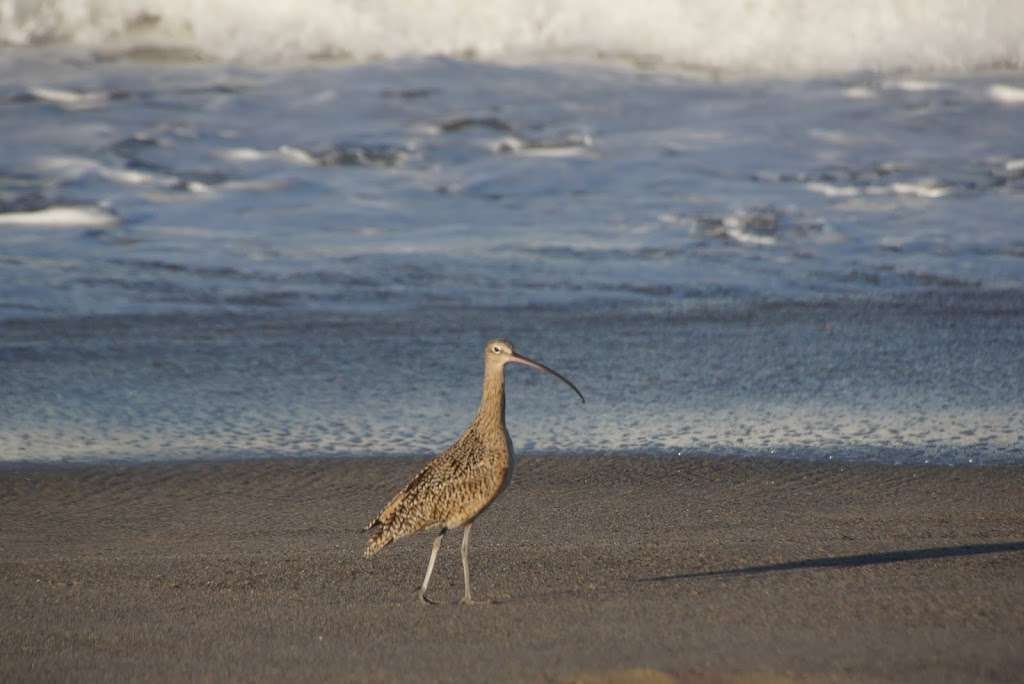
{"x":1006,"y":94}
{"x":740,"y":235}
{"x":736,"y":228}
{"x":249,"y":155}
{"x":744,"y":35}
{"x":198,"y":187}
{"x":554,"y":152}
{"x":574,"y":146}
{"x":926,"y":189}
{"x":69,"y":99}
{"x":77,"y":167}
{"x":60,"y":217}
{"x":297,"y":155}
{"x":246,"y":154}
{"x":923,"y":189}
{"x":914,"y":85}
{"x":830,"y":190}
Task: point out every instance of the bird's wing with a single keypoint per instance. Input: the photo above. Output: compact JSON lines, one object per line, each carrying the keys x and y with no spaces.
{"x":415,"y":485}
{"x":424,"y":498}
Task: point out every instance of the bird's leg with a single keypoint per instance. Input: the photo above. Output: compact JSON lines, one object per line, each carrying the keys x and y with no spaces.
{"x":430,"y":565}
{"x":466,"y":598}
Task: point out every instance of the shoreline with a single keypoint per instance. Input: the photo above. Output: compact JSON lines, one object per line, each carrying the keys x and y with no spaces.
{"x":753,"y":456}
{"x":930,"y":379}
{"x":656,"y":568}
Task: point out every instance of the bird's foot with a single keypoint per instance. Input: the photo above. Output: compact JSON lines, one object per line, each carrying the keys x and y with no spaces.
{"x":424,"y":600}
{"x":468,"y":601}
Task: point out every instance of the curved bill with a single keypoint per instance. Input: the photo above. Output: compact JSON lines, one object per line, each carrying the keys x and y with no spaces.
{"x":519,"y":358}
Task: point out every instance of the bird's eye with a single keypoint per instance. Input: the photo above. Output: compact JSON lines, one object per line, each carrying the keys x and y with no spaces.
{"x":496,"y":349}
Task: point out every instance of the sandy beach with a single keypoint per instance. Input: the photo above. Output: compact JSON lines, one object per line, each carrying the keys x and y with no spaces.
{"x":599,"y":568}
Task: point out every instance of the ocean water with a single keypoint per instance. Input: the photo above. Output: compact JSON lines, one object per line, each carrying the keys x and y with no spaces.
{"x":481,"y":166}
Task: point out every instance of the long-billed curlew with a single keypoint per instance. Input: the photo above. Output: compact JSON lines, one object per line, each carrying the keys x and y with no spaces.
{"x":455,"y":487}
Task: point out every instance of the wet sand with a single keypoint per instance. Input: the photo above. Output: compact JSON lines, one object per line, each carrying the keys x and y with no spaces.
{"x":600,"y":568}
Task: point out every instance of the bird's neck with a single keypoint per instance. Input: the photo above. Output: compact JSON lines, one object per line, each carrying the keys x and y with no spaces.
{"x":492,"y":402}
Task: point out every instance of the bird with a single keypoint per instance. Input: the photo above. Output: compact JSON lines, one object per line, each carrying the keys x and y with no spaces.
{"x":462,"y":481}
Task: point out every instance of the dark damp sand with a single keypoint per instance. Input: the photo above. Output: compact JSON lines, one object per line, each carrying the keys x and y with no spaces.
{"x":602,"y":569}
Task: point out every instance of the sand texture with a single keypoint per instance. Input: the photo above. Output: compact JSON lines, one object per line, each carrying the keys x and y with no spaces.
{"x":600,"y":568}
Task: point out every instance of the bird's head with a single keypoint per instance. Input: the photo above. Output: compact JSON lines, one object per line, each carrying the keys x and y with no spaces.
{"x":499,"y":352}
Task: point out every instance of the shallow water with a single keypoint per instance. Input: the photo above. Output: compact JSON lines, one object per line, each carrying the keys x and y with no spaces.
{"x":131,"y":187}
{"x":935,"y":379}
{"x":230,"y":258}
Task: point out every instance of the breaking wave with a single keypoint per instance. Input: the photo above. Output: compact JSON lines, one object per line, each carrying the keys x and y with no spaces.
{"x":760,"y":36}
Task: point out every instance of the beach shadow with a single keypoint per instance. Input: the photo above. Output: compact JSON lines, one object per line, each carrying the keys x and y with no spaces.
{"x":852,"y":561}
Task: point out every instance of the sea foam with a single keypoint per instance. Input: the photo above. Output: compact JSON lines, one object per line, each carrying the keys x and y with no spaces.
{"x":59,"y":217}
{"x":762,"y":36}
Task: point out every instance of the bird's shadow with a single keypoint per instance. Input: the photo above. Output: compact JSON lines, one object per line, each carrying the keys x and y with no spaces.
{"x":878,"y":558}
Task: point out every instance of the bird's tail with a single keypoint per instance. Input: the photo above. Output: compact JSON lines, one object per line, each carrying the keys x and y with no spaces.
{"x":378,"y":541}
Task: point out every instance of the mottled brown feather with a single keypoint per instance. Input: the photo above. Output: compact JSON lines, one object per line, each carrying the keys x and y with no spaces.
{"x":450,"y":491}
